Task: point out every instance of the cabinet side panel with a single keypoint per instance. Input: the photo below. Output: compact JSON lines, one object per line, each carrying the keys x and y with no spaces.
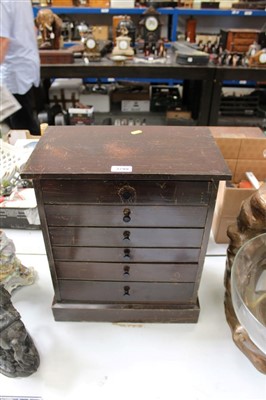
{"x":206,"y":235}
{"x":48,"y":246}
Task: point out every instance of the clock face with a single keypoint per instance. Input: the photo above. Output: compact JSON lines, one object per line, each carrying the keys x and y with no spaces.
{"x":262,"y":58}
{"x":90,"y":43}
{"x":151,"y":23}
{"x":123,"y":45}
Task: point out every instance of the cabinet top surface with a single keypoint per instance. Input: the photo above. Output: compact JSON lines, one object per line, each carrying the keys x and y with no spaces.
{"x":145,"y":152}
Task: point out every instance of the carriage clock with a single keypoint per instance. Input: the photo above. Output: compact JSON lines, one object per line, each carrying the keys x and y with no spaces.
{"x":91,"y":50}
{"x":259,"y":58}
{"x":123,"y":44}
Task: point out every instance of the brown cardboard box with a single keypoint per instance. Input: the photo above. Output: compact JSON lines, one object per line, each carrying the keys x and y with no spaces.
{"x":239,"y":142}
{"x":237,"y":132}
{"x":232,"y":165}
{"x":242,"y":155}
{"x":246,"y":154}
{"x":178,"y":114}
{"x":258,"y":167}
{"x":229,"y":147}
{"x":228,"y":204}
{"x":130,"y":91}
{"x":253,"y":149}
{"x":101,"y":32}
{"x":244,"y":149}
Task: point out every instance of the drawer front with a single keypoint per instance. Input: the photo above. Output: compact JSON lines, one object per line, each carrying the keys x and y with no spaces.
{"x":126,"y":272}
{"x":102,"y":254}
{"x":245,"y":35}
{"x":119,"y":237}
{"x":239,"y":47}
{"x":242,"y":41}
{"x":133,"y":292}
{"x":131,"y":192}
{"x":126,"y":216}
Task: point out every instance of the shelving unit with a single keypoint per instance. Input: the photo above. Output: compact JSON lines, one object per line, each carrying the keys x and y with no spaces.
{"x":174,"y":14}
{"x":172,"y":71}
{"x":211,"y":78}
{"x":223,"y":74}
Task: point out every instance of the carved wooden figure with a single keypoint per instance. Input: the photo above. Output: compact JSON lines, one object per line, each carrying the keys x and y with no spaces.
{"x":251,"y":222}
{"x":50,"y":26}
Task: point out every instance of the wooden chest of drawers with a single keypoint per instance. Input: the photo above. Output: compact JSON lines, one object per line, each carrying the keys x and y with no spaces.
{"x":126,"y":216}
{"x":239,"y":40}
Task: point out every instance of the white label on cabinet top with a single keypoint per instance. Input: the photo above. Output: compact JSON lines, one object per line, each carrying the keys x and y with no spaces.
{"x":121,"y":168}
{"x":19,"y":398}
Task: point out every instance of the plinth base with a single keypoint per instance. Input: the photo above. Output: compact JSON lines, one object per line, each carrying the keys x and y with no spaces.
{"x":140,"y":313}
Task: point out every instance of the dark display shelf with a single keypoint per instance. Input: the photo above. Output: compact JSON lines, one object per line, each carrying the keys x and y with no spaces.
{"x":203,"y":75}
{"x":222,"y":74}
{"x":209,"y":77}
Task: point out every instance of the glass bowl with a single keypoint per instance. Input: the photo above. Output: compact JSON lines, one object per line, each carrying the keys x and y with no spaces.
{"x":248,"y":289}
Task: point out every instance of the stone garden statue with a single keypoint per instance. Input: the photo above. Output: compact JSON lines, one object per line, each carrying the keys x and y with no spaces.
{"x":18,"y":354}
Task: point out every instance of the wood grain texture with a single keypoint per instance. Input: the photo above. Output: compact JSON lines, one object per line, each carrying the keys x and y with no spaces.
{"x":157,"y":152}
{"x":120,"y":292}
{"x":125,"y":272}
{"x":138,"y":216}
{"x":126,"y":246}
{"x":126,"y":192}
{"x":132,"y":237}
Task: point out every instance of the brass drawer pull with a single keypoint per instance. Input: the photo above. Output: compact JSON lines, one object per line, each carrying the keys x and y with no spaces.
{"x":126,"y":213}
